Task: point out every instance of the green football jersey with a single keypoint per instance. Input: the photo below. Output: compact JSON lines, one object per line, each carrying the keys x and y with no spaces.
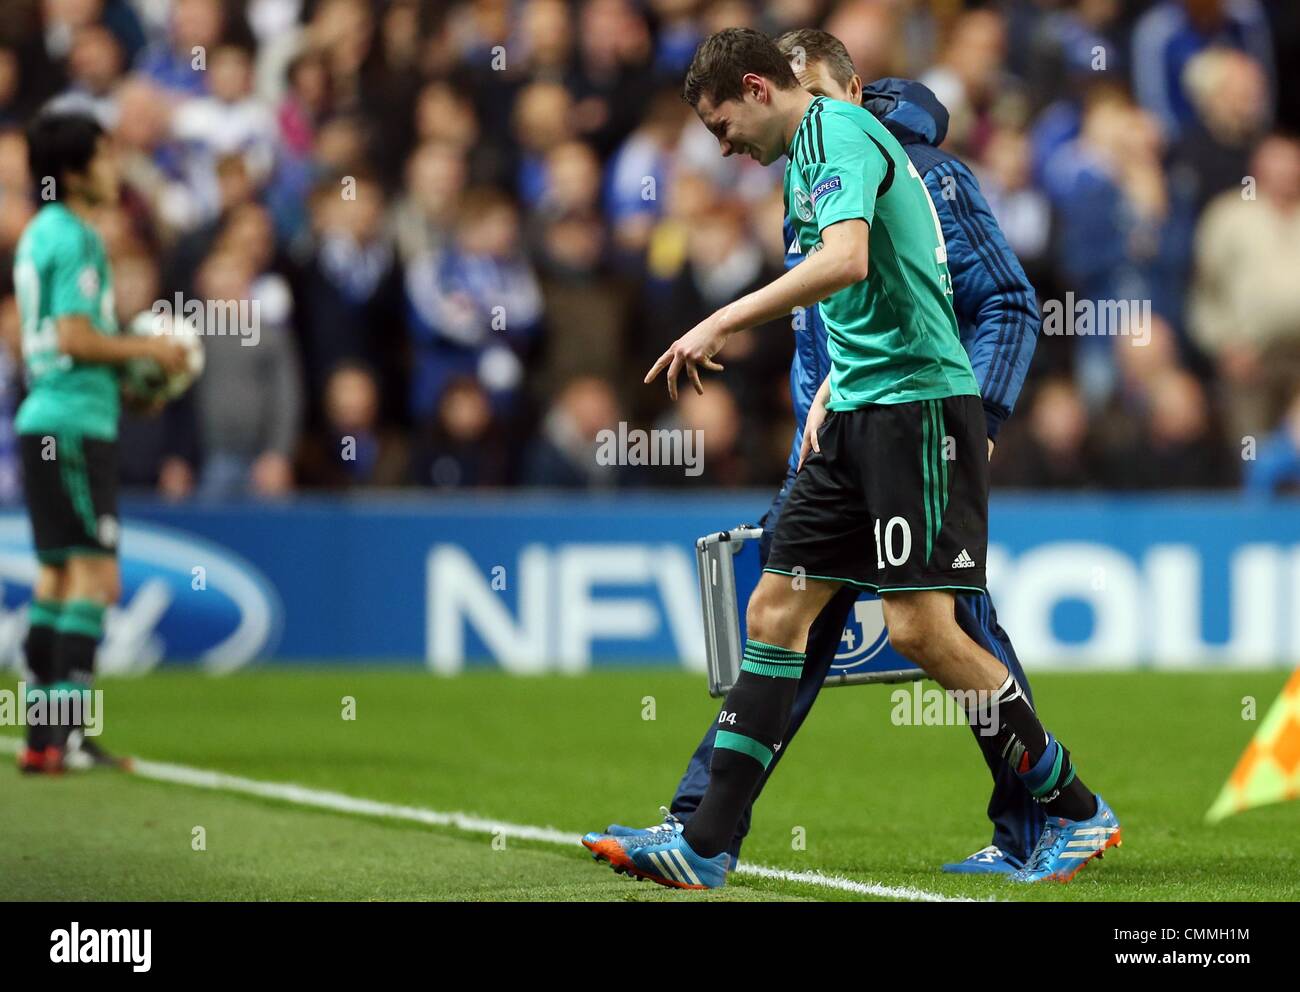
{"x":893,"y":336}
{"x":60,"y":270}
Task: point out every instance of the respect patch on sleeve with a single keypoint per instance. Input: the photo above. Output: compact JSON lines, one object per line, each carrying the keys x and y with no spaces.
{"x":824,"y":187}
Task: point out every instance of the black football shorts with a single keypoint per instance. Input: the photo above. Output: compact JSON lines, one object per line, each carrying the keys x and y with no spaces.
{"x":896,"y":500}
{"x":70,"y":486}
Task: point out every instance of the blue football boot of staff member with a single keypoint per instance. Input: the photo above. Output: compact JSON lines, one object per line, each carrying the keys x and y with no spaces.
{"x":998,"y":319}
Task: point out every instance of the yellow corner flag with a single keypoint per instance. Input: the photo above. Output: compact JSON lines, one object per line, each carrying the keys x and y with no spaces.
{"x":1269,"y":770}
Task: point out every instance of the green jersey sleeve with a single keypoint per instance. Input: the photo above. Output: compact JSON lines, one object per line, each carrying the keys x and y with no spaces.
{"x":845,"y":172}
{"x":72,"y":280}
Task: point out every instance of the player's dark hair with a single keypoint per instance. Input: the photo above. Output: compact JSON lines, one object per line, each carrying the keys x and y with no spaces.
{"x":724,"y":59}
{"x":59,"y":143}
{"x":821,"y":47}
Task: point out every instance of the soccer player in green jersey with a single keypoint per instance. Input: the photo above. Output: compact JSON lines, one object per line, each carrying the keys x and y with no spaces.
{"x":67,"y":425}
{"x":892,"y":489}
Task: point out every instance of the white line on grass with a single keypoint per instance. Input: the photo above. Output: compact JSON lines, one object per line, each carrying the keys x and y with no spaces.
{"x":301,"y":795}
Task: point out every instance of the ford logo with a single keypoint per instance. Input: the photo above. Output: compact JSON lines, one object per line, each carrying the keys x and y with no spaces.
{"x":183,"y":598}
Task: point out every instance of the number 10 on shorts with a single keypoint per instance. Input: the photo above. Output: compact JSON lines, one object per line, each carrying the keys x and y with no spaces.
{"x":885,"y":547}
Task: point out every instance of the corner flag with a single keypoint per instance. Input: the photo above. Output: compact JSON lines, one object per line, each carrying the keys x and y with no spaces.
{"x":1269,"y":769}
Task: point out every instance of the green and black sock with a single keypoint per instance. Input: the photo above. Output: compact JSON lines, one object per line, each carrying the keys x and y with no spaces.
{"x":750,"y":729}
{"x":80,"y":627}
{"x":1041,"y":761}
{"x":42,"y":621}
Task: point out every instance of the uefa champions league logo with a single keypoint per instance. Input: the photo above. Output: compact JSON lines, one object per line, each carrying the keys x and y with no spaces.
{"x":864,"y":635}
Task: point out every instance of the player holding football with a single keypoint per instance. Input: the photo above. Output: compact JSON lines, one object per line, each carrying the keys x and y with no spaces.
{"x":67,"y":425}
{"x":891,"y":494}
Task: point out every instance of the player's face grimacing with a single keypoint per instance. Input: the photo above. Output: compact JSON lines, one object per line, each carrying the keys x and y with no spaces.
{"x":748,"y":126}
{"x":816,"y":78}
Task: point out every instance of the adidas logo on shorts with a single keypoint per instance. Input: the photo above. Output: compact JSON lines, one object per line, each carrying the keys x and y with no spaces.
{"x":964,"y":560}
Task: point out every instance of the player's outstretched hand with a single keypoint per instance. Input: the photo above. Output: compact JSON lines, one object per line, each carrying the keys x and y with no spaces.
{"x":693,"y":349}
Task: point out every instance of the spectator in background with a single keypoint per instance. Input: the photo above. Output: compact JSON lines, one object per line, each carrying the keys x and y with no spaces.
{"x":572,"y":174}
{"x":1178,"y":449}
{"x":1076,"y":42}
{"x":969,"y":79}
{"x":1173,"y":32}
{"x":1245,"y":310}
{"x":95,"y":64}
{"x":179,"y":63}
{"x":474,"y":307}
{"x":564,"y":453}
{"x":152,"y":165}
{"x":390,"y":81}
{"x":463,"y":447}
{"x":349,"y":287}
{"x":63,"y":19}
{"x":1124,"y":232}
{"x":342,"y":149}
{"x":542,"y":122}
{"x":729,"y":13}
{"x":545,"y":35}
{"x":678,"y":34}
{"x":353,"y":449}
{"x":250,"y":395}
{"x":714,"y":420}
{"x":614,"y":77}
{"x":723,"y":262}
{"x":1141,"y":362}
{"x":305,"y":104}
{"x":235,"y":191}
{"x":1275,"y":467}
{"x":248,"y":231}
{"x":638,"y":175}
{"x":342,"y":145}
{"x":425,"y":215}
{"x":344,"y":30}
{"x":445,"y":115}
{"x":1053,"y":451}
{"x":586,"y":310}
{"x":689,"y":195}
{"x":867,"y":29}
{"x":300,"y":118}
{"x":230,"y":121}
{"x":1229,"y":92}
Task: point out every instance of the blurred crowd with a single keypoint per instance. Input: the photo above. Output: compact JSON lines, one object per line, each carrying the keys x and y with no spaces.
{"x":470,"y":226}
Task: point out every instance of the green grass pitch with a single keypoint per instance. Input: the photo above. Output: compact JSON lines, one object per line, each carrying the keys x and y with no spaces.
{"x":877,"y":803}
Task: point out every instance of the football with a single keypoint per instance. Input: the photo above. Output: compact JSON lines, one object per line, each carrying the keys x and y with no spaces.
{"x":143,"y":378}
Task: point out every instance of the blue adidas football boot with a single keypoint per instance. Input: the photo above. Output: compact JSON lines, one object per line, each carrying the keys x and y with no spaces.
{"x":991,"y":860}
{"x":1067,"y":845}
{"x":670,"y":823}
{"x":661,"y":854}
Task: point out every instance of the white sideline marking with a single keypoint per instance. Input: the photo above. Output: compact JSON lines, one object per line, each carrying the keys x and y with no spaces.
{"x":301,"y":795}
